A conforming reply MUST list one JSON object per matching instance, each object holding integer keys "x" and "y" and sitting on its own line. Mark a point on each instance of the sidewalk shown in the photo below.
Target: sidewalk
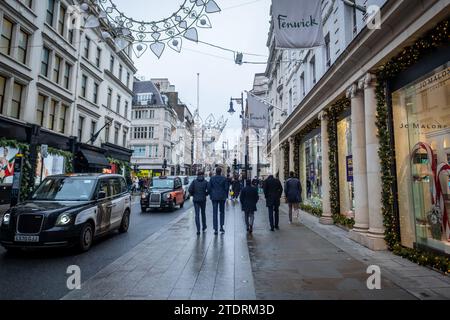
{"x": 307, "y": 261}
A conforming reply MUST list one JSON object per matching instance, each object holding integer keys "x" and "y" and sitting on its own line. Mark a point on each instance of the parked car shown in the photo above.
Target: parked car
{"x": 68, "y": 210}
{"x": 163, "y": 193}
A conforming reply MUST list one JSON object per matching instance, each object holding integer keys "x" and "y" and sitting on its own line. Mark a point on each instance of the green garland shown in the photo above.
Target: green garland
{"x": 286, "y": 153}
{"x": 436, "y": 38}
{"x": 315, "y": 211}
{"x": 27, "y": 178}
{"x": 333, "y": 115}
{"x": 123, "y": 165}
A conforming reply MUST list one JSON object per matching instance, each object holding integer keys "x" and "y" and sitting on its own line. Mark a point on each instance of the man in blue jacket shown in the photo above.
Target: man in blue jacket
{"x": 218, "y": 187}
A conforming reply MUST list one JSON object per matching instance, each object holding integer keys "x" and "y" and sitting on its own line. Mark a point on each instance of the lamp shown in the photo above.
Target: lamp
{"x": 231, "y": 111}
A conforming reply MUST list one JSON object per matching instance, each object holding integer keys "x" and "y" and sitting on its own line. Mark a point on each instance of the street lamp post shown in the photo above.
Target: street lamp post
{"x": 244, "y": 118}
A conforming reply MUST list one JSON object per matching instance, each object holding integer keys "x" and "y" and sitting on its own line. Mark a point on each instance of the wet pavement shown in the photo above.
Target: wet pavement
{"x": 300, "y": 261}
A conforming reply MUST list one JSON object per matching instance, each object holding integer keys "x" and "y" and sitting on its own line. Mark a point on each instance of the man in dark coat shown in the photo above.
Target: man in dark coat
{"x": 273, "y": 190}
{"x": 236, "y": 188}
{"x": 293, "y": 191}
{"x": 218, "y": 190}
{"x": 249, "y": 199}
{"x": 199, "y": 191}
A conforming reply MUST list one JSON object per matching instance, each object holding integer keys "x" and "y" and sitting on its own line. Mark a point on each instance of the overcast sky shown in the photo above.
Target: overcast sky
{"x": 242, "y": 25}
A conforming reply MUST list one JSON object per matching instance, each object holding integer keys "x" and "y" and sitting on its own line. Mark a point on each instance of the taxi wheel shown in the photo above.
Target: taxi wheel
{"x": 182, "y": 205}
{"x": 86, "y": 237}
{"x": 125, "y": 222}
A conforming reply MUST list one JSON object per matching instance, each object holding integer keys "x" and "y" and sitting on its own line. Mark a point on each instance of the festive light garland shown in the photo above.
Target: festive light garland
{"x": 286, "y": 153}
{"x": 154, "y": 35}
{"x": 436, "y": 38}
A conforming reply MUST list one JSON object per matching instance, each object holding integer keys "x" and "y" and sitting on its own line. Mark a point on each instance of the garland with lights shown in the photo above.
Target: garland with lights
{"x": 124, "y": 167}
{"x": 333, "y": 115}
{"x": 436, "y": 38}
{"x": 124, "y": 31}
{"x": 286, "y": 154}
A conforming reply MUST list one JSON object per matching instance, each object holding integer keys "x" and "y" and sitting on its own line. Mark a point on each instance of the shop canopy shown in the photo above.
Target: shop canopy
{"x": 95, "y": 159}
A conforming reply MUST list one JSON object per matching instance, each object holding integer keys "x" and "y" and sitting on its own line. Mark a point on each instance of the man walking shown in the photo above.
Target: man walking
{"x": 199, "y": 191}
{"x": 293, "y": 192}
{"x": 235, "y": 188}
{"x": 273, "y": 190}
{"x": 249, "y": 199}
{"x": 218, "y": 190}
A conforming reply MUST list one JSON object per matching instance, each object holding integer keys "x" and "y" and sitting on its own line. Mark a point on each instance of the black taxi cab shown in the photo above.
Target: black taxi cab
{"x": 163, "y": 193}
{"x": 68, "y": 211}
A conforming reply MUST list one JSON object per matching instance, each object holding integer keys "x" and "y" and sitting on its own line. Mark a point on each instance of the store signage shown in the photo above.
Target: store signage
{"x": 297, "y": 29}
{"x": 349, "y": 161}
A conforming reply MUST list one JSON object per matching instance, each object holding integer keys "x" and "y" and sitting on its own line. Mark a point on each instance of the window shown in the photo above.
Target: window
{"x": 57, "y": 69}
{"x": 111, "y": 64}
{"x": 52, "y": 115}
{"x": 16, "y": 100}
{"x": 45, "y": 62}
{"x": 312, "y": 64}
{"x": 116, "y": 136}
{"x": 40, "y": 110}
{"x": 93, "y": 130}
{"x": 153, "y": 151}
{"x": 28, "y": 3}
{"x": 125, "y": 114}
{"x": 327, "y": 50}
{"x": 109, "y": 100}
{"x": 128, "y": 79}
{"x": 139, "y": 151}
{"x": 6, "y": 37}
{"x": 107, "y": 128}
{"x": 290, "y": 101}
{"x": 95, "y": 93}
{"x": 22, "y": 47}
{"x": 152, "y": 114}
{"x": 119, "y": 100}
{"x": 80, "y": 128}
{"x": 98, "y": 57}
{"x": 50, "y": 12}
{"x": 62, "y": 118}
{"x": 62, "y": 20}
{"x": 87, "y": 46}
{"x": 124, "y": 138}
{"x": 84, "y": 81}
{"x": 140, "y": 133}
{"x": 67, "y": 74}
{"x": 302, "y": 84}
{"x": 120, "y": 72}
{"x": 2, "y": 92}
{"x": 166, "y": 134}
{"x": 166, "y": 117}
{"x": 151, "y": 132}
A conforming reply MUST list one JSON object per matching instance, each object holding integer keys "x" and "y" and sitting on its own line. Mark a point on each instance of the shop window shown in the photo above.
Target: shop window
{"x": 345, "y": 167}
{"x": 422, "y": 144}
{"x": 312, "y": 169}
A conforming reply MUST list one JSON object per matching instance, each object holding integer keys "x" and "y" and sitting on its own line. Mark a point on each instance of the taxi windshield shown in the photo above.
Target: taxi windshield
{"x": 65, "y": 189}
{"x": 162, "y": 183}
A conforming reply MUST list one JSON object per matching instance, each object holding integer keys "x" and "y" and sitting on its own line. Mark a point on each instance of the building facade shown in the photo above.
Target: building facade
{"x": 60, "y": 85}
{"x": 154, "y": 124}
{"x": 367, "y": 130}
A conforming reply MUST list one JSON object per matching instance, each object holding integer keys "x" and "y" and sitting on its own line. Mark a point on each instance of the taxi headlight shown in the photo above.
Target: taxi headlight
{"x": 63, "y": 220}
{"x": 6, "y": 219}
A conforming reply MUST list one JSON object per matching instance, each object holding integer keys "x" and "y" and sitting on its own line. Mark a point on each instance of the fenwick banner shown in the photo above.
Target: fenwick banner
{"x": 297, "y": 23}
{"x": 258, "y": 113}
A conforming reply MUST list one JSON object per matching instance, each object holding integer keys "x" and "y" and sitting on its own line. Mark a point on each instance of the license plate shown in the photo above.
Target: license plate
{"x": 21, "y": 238}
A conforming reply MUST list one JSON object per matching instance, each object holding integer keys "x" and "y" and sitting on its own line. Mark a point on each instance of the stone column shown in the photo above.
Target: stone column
{"x": 359, "y": 165}
{"x": 376, "y": 227}
{"x": 327, "y": 217}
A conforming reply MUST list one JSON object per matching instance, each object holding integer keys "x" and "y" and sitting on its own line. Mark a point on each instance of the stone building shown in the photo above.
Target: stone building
{"x": 367, "y": 129}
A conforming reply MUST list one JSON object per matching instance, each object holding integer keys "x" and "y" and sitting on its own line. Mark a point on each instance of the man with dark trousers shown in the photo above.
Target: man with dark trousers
{"x": 273, "y": 190}
{"x": 199, "y": 191}
{"x": 218, "y": 190}
{"x": 249, "y": 199}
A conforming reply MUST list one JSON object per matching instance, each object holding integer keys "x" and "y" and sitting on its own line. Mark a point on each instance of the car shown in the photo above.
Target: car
{"x": 164, "y": 193}
{"x": 68, "y": 211}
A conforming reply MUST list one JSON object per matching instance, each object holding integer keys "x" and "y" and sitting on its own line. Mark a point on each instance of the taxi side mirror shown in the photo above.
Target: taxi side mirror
{"x": 101, "y": 195}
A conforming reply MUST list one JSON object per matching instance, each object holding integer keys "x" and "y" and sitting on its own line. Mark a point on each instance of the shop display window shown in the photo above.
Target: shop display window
{"x": 313, "y": 168}
{"x": 422, "y": 133}
{"x": 345, "y": 167}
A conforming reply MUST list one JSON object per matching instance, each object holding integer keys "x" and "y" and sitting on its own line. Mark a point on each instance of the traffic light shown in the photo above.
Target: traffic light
{"x": 165, "y": 164}
{"x": 235, "y": 164}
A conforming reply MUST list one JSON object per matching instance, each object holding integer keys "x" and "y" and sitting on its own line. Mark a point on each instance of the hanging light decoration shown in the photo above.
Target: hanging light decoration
{"x": 153, "y": 35}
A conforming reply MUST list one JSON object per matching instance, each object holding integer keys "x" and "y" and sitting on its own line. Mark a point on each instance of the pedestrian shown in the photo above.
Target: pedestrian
{"x": 273, "y": 190}
{"x": 218, "y": 191}
{"x": 141, "y": 185}
{"x": 293, "y": 192}
{"x": 199, "y": 191}
{"x": 249, "y": 198}
{"x": 236, "y": 188}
